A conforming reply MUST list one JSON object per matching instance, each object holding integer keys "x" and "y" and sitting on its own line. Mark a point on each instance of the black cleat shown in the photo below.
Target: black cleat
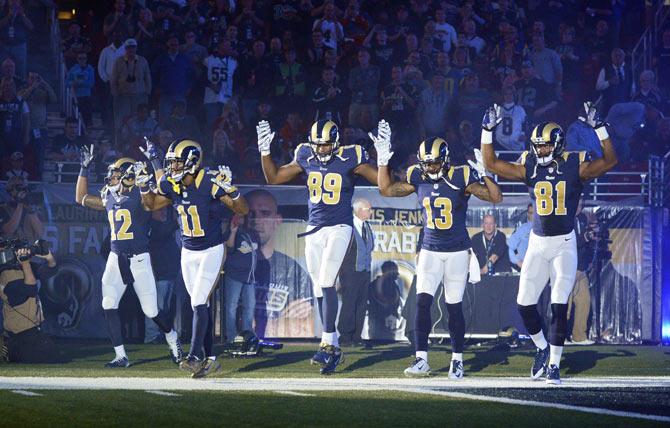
{"x": 208, "y": 367}
{"x": 118, "y": 363}
{"x": 540, "y": 364}
{"x": 191, "y": 364}
{"x": 321, "y": 355}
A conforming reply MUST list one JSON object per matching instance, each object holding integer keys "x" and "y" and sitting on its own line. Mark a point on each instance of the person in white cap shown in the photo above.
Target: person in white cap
{"x": 130, "y": 83}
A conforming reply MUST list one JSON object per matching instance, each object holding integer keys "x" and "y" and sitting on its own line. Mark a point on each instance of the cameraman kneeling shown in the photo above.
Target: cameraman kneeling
{"x": 21, "y": 309}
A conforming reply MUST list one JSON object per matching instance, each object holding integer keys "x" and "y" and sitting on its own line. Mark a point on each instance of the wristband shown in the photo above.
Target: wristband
{"x": 602, "y": 133}
{"x": 83, "y": 171}
{"x": 487, "y": 136}
{"x": 265, "y": 152}
{"x": 234, "y": 195}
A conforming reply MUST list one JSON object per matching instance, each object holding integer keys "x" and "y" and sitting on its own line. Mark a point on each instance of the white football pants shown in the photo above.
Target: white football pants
{"x": 144, "y": 284}
{"x": 324, "y": 252}
{"x": 449, "y": 268}
{"x": 200, "y": 270}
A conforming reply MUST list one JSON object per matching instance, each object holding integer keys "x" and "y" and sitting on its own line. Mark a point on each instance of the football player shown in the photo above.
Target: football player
{"x": 196, "y": 193}
{"x": 129, "y": 261}
{"x": 443, "y": 191}
{"x": 331, "y": 172}
{"x": 555, "y": 180}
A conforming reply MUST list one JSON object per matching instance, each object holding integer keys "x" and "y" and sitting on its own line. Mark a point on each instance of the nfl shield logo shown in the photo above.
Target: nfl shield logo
{"x": 435, "y": 186}
{"x": 551, "y": 170}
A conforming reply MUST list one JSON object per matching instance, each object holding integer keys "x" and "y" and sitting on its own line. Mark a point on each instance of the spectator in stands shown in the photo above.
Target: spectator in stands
{"x": 181, "y": 124}
{"x": 8, "y": 72}
{"x": 600, "y": 43}
{"x": 224, "y": 152}
{"x": 537, "y": 97}
{"x": 452, "y": 77}
{"x": 328, "y": 99}
{"x": 316, "y": 50}
{"x": 648, "y": 94}
{"x": 130, "y": 83}
{"x": 106, "y": 61}
{"x": 510, "y": 134}
{"x": 354, "y": 24}
{"x": 67, "y": 146}
{"x": 445, "y": 32}
{"x": 382, "y": 52}
{"x": 433, "y": 108}
{"x": 117, "y": 21}
{"x": 490, "y": 247}
{"x": 403, "y": 26}
{"x": 291, "y": 133}
{"x": 363, "y": 85}
{"x": 571, "y": 59}
{"x": 16, "y": 167}
{"x": 221, "y": 69}
{"x": 547, "y": 62}
{"x": 661, "y": 61}
{"x": 243, "y": 246}
{"x": 333, "y": 32}
{"x": 74, "y": 43}
{"x": 506, "y": 64}
{"x": 290, "y": 84}
{"x": 471, "y": 39}
{"x": 194, "y": 50}
{"x": 139, "y": 126}
{"x": 256, "y": 73}
{"x": 145, "y": 34}
{"x": 15, "y": 120}
{"x": 385, "y": 302}
{"x": 518, "y": 240}
{"x": 15, "y": 27}
{"x": 18, "y": 218}
{"x": 248, "y": 23}
{"x": 81, "y": 78}
{"x": 38, "y": 94}
{"x": 399, "y": 106}
{"x": 615, "y": 81}
{"x": 173, "y": 78}
{"x": 472, "y": 100}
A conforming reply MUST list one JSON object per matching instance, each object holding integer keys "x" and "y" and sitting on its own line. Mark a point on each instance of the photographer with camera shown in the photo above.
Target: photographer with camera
{"x": 21, "y": 309}
{"x": 18, "y": 218}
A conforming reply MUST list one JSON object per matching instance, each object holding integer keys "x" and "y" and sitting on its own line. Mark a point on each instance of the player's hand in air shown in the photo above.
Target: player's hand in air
{"x": 265, "y": 136}
{"x": 382, "y": 143}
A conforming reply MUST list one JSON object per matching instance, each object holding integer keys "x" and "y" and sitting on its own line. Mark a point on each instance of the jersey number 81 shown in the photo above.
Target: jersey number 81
{"x": 544, "y": 198}
{"x": 324, "y": 188}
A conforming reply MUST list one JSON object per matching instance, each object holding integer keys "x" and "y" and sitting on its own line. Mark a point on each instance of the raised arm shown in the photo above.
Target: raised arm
{"x": 508, "y": 170}
{"x": 387, "y": 187}
{"x": 272, "y": 173}
{"x": 489, "y": 191}
{"x": 367, "y": 171}
{"x": 82, "y": 196}
{"x": 232, "y": 197}
{"x": 596, "y": 168}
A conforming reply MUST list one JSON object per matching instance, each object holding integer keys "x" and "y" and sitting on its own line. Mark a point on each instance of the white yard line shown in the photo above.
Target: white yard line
{"x": 596, "y": 410}
{"x": 163, "y": 393}
{"x": 26, "y": 393}
{"x": 297, "y": 394}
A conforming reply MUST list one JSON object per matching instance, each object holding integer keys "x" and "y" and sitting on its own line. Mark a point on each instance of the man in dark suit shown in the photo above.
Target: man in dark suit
{"x": 490, "y": 247}
{"x": 355, "y": 276}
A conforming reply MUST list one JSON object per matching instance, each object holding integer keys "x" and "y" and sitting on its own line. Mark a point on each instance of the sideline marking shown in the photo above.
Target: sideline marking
{"x": 163, "y": 393}
{"x": 297, "y": 394}
{"x": 596, "y": 410}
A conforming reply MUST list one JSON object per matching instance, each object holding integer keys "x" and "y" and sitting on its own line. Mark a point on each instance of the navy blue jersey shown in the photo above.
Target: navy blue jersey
{"x": 445, "y": 204}
{"x": 331, "y": 186}
{"x": 198, "y": 208}
{"x": 555, "y": 190}
{"x": 128, "y": 221}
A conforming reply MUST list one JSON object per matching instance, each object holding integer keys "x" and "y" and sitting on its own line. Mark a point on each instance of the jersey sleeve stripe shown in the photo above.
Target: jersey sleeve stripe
{"x": 359, "y": 153}
{"x": 198, "y": 178}
{"x": 466, "y": 175}
{"x": 582, "y": 157}
{"x": 522, "y": 160}
{"x": 410, "y": 171}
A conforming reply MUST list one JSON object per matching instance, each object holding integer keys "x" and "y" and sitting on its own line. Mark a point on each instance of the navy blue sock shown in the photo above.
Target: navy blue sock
{"x": 422, "y": 321}
{"x": 209, "y": 337}
{"x": 319, "y": 302}
{"x": 163, "y": 322}
{"x": 329, "y": 310}
{"x": 531, "y": 318}
{"x": 559, "y": 324}
{"x": 456, "y": 326}
{"x": 200, "y": 320}
{"x": 114, "y": 326}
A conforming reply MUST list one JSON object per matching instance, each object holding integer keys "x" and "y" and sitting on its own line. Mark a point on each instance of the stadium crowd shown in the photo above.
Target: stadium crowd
{"x": 210, "y": 70}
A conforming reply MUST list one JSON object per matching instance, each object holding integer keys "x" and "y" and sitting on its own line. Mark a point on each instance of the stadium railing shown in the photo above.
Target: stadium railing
{"x": 641, "y": 56}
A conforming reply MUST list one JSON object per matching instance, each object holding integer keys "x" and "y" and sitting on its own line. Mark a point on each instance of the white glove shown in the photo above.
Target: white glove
{"x": 592, "y": 118}
{"x": 265, "y": 136}
{"x": 382, "y": 143}
{"x": 87, "y": 154}
{"x": 224, "y": 179}
{"x": 478, "y": 165}
{"x": 142, "y": 177}
{"x": 492, "y": 118}
{"x": 151, "y": 151}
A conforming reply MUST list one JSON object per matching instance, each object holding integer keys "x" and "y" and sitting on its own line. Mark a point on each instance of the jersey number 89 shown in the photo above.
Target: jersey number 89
{"x": 445, "y": 219}
{"x": 324, "y": 188}
{"x": 544, "y": 198}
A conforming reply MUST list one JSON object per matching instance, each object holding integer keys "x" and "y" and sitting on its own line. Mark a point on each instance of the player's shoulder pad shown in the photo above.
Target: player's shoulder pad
{"x": 413, "y": 174}
{"x": 462, "y": 172}
{"x": 302, "y": 152}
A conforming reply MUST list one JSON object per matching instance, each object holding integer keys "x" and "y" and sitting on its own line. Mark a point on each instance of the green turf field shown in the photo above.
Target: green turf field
{"x": 325, "y": 409}
{"x": 87, "y": 360}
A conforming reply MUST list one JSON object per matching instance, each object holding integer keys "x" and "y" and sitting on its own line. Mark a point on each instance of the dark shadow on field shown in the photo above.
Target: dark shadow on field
{"x": 496, "y": 356}
{"x": 83, "y": 350}
{"x": 277, "y": 360}
{"x": 396, "y": 353}
{"x": 577, "y": 362}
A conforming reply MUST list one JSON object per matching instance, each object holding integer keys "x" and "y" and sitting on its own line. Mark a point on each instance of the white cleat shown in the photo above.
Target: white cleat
{"x": 456, "y": 369}
{"x": 418, "y": 368}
